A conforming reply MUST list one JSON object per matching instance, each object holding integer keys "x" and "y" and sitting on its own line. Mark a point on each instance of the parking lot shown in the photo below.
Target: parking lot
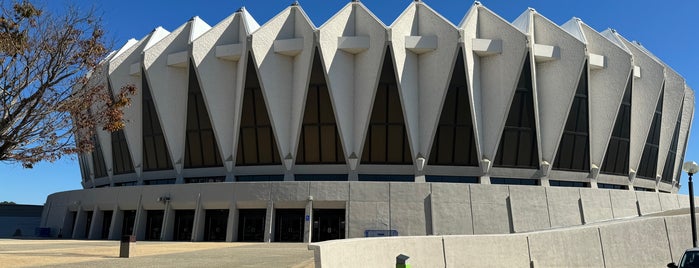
{"x": 86, "y": 253}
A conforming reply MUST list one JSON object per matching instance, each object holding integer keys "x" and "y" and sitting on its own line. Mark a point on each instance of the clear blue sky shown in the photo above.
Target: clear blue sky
{"x": 669, "y": 30}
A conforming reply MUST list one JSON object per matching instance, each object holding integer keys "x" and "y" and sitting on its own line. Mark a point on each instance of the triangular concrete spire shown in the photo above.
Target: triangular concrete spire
{"x": 573, "y": 28}
{"x": 155, "y": 36}
{"x": 282, "y": 50}
{"x": 493, "y": 77}
{"x": 125, "y": 47}
{"x": 250, "y": 23}
{"x": 197, "y": 28}
{"x": 220, "y": 57}
{"x": 353, "y": 42}
{"x": 421, "y": 37}
{"x": 523, "y": 22}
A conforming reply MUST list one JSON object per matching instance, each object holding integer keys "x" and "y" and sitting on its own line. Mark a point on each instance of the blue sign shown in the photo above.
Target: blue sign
{"x": 308, "y": 218}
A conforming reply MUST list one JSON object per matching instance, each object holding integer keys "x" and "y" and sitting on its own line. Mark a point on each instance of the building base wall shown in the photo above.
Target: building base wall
{"x": 371, "y": 208}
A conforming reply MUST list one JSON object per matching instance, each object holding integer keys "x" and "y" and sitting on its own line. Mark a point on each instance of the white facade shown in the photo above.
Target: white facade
{"x": 565, "y": 76}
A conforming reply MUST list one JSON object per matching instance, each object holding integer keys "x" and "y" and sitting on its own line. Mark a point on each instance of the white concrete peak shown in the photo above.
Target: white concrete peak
{"x": 597, "y": 62}
{"x": 178, "y": 59}
{"x": 198, "y": 28}
{"x": 421, "y": 44}
{"x": 229, "y": 52}
{"x": 126, "y": 47}
{"x": 544, "y": 53}
{"x": 289, "y": 47}
{"x": 636, "y": 71}
{"x": 158, "y": 34}
{"x": 487, "y": 47}
{"x": 135, "y": 69}
{"x": 353, "y": 44}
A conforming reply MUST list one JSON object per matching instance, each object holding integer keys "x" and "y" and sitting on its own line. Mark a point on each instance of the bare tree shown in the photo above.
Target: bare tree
{"x": 51, "y": 95}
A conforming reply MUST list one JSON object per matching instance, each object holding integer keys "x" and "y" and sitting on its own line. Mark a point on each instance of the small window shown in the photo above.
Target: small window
{"x": 320, "y": 177}
{"x": 512, "y": 181}
{"x": 159, "y": 182}
{"x": 568, "y": 183}
{"x": 205, "y": 179}
{"x": 451, "y": 179}
{"x": 246, "y": 178}
{"x": 611, "y": 186}
{"x": 643, "y": 189}
{"x": 388, "y": 178}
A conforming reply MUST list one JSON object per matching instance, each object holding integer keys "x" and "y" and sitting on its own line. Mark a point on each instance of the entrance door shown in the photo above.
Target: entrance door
{"x": 128, "y": 222}
{"x": 184, "y": 221}
{"x": 106, "y": 223}
{"x": 289, "y": 225}
{"x": 154, "y": 223}
{"x": 328, "y": 224}
{"x": 216, "y": 221}
{"x": 251, "y": 225}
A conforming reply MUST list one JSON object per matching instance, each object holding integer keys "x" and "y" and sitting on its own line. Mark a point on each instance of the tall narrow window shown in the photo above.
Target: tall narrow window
{"x": 574, "y": 149}
{"x": 201, "y": 149}
{"x": 386, "y": 141}
{"x": 518, "y": 145}
{"x": 616, "y": 160}
{"x": 649, "y": 160}
{"x": 256, "y": 144}
{"x": 454, "y": 142}
{"x": 98, "y": 164}
{"x": 121, "y": 158}
{"x": 155, "y": 152}
{"x": 320, "y": 141}
{"x": 669, "y": 168}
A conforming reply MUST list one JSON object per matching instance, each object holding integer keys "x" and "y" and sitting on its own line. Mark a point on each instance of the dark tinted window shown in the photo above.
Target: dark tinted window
{"x": 403, "y": 178}
{"x": 453, "y": 179}
{"x": 616, "y": 160}
{"x": 320, "y": 177}
{"x": 159, "y": 182}
{"x": 260, "y": 178}
{"x": 256, "y": 143}
{"x": 98, "y": 165}
{"x": 121, "y": 158}
{"x": 649, "y": 160}
{"x": 567, "y": 183}
{"x": 319, "y": 142}
{"x": 201, "y": 148}
{"x": 611, "y": 186}
{"x": 454, "y": 142}
{"x": 574, "y": 150}
{"x": 669, "y": 168}
{"x": 205, "y": 179}
{"x": 518, "y": 145}
{"x": 386, "y": 141}
{"x": 511, "y": 181}
{"x": 155, "y": 153}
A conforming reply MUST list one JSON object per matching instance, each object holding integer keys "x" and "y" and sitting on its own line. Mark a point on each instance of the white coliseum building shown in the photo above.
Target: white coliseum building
{"x": 292, "y": 132}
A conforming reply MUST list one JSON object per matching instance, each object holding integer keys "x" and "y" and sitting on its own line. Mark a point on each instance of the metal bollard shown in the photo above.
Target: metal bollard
{"x": 125, "y": 246}
{"x": 401, "y": 261}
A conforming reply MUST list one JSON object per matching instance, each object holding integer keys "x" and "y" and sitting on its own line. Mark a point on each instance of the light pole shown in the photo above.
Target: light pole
{"x": 691, "y": 167}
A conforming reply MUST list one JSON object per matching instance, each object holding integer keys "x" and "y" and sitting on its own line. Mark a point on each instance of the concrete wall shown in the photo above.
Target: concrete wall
{"x": 639, "y": 242}
{"x": 406, "y": 207}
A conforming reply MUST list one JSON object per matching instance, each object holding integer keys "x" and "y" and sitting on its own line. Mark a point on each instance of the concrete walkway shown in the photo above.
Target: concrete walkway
{"x": 83, "y": 253}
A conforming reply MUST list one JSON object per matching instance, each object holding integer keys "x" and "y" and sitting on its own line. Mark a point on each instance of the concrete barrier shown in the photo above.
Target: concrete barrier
{"x": 648, "y": 202}
{"x": 679, "y": 234}
{"x": 410, "y": 208}
{"x": 668, "y": 201}
{"x": 596, "y": 205}
{"x": 638, "y": 243}
{"x": 572, "y": 248}
{"x": 485, "y": 251}
{"x": 451, "y": 209}
{"x": 623, "y": 204}
{"x": 490, "y": 209}
{"x": 529, "y": 209}
{"x": 425, "y": 251}
{"x": 564, "y": 206}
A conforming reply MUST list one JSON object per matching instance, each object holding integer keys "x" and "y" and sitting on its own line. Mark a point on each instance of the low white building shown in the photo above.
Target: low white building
{"x": 292, "y": 132}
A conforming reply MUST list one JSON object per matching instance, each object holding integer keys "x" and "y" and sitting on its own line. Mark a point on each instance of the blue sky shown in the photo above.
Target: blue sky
{"x": 666, "y": 29}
